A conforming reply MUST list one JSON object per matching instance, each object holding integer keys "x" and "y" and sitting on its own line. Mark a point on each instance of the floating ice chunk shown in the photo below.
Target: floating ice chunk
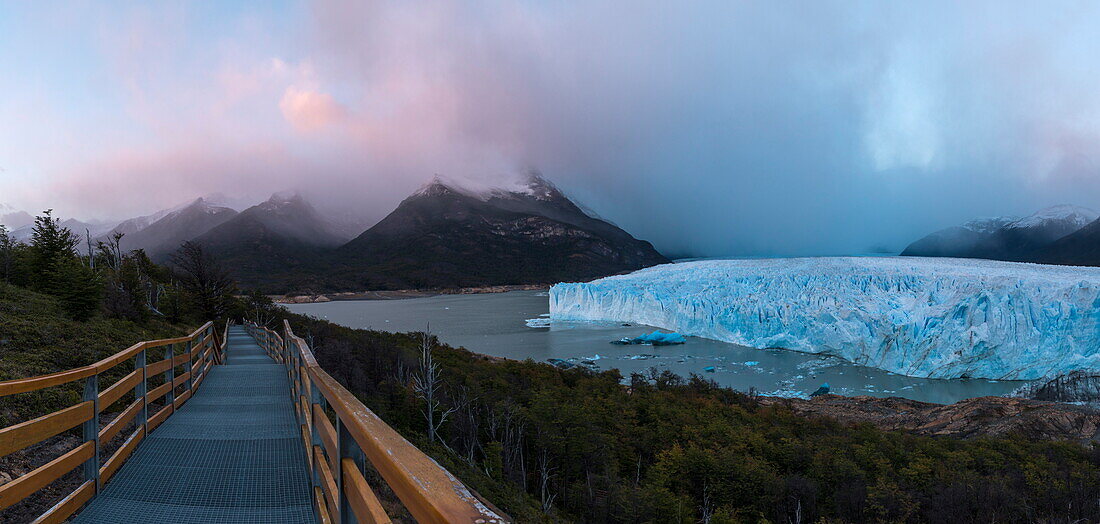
{"x": 538, "y": 322}
{"x": 786, "y": 393}
{"x": 559, "y": 363}
{"x": 655, "y": 338}
{"x": 923, "y": 317}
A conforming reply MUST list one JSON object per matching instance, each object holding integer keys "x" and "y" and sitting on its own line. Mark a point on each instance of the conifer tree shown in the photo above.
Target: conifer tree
{"x": 51, "y": 245}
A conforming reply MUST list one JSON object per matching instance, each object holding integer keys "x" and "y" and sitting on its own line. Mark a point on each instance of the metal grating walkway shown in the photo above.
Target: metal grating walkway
{"x": 232, "y": 453}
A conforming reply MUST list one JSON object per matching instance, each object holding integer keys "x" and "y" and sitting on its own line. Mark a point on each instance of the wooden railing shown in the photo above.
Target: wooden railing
{"x": 193, "y": 355}
{"x": 337, "y": 450}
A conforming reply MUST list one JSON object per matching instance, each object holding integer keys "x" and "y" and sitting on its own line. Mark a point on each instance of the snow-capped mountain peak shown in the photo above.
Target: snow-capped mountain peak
{"x": 282, "y": 199}
{"x": 12, "y": 218}
{"x": 1075, "y": 215}
{"x": 530, "y": 184}
{"x": 989, "y": 224}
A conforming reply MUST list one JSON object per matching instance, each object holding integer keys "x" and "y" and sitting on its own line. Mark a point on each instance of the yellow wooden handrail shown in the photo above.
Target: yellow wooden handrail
{"x": 202, "y": 349}
{"x": 336, "y": 453}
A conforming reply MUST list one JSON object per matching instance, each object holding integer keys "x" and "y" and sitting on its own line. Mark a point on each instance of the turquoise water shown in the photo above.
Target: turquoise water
{"x": 497, "y": 324}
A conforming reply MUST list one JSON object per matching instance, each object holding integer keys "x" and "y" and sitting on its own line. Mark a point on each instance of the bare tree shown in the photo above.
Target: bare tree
{"x": 505, "y": 425}
{"x": 156, "y": 289}
{"x": 112, "y": 250}
{"x": 91, "y": 254}
{"x": 401, "y": 373}
{"x": 707, "y": 507}
{"x": 263, "y": 317}
{"x": 797, "y": 519}
{"x": 546, "y": 472}
{"x": 427, "y": 384}
{"x": 204, "y": 279}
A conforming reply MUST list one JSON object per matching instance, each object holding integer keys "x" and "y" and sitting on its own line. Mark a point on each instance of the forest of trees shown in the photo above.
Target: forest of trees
{"x": 98, "y": 277}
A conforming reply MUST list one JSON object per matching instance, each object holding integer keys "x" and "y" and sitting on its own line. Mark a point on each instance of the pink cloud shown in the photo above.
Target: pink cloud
{"x": 309, "y": 110}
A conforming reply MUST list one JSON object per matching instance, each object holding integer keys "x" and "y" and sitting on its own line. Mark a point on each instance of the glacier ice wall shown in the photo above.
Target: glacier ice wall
{"x": 923, "y": 317}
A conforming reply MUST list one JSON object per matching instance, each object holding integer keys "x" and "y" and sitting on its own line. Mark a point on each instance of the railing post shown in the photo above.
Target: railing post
{"x": 213, "y": 348}
{"x": 91, "y": 430}
{"x": 349, "y": 448}
{"x": 142, "y": 391}
{"x": 191, "y": 372}
{"x": 314, "y": 434}
{"x": 169, "y": 376}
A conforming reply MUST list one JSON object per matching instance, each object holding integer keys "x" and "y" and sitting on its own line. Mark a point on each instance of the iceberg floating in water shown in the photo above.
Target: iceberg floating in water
{"x": 540, "y": 322}
{"x": 923, "y": 317}
{"x": 655, "y": 338}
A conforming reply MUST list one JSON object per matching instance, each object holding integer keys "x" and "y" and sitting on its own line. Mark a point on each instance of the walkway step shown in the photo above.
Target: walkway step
{"x": 232, "y": 453}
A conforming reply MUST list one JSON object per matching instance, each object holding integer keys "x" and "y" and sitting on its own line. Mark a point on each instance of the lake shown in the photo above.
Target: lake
{"x": 500, "y": 324}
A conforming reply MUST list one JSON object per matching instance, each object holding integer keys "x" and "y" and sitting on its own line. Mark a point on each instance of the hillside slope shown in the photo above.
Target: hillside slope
{"x": 1081, "y": 248}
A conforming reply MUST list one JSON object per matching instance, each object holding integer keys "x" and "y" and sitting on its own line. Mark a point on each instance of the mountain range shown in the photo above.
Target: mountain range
{"x": 1063, "y": 234}
{"x": 445, "y": 235}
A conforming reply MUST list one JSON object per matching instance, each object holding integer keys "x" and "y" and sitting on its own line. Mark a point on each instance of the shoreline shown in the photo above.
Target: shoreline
{"x": 402, "y": 294}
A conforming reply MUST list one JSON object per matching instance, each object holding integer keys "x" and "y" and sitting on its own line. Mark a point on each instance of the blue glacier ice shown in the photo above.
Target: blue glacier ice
{"x": 655, "y": 338}
{"x": 922, "y": 317}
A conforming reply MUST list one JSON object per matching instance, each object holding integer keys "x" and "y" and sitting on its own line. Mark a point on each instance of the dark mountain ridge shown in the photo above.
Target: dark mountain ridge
{"x": 164, "y": 235}
{"x": 1080, "y": 248}
{"x": 1028, "y": 239}
{"x": 445, "y": 235}
{"x": 281, "y": 243}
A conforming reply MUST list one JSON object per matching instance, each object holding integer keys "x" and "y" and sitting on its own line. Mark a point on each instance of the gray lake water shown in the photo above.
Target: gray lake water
{"x": 497, "y": 324}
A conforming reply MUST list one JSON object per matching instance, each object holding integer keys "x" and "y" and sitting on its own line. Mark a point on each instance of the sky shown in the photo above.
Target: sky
{"x": 709, "y": 128}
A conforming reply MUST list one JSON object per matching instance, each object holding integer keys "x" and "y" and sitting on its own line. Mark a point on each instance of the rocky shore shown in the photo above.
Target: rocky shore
{"x": 971, "y": 418}
{"x": 399, "y": 294}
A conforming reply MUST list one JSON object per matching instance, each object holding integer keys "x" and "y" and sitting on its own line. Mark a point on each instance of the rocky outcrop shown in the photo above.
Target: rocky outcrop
{"x": 1076, "y": 386}
{"x": 971, "y": 418}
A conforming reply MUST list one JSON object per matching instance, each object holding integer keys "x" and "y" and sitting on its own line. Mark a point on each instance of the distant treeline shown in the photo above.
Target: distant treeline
{"x": 99, "y": 277}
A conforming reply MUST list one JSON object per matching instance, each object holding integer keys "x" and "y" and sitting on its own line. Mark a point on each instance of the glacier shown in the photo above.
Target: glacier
{"x": 922, "y": 317}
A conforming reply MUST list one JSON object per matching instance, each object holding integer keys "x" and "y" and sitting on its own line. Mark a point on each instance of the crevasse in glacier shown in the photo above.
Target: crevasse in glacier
{"x": 923, "y": 317}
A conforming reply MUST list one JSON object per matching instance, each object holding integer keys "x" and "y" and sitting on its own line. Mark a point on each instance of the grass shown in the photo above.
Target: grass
{"x": 37, "y": 338}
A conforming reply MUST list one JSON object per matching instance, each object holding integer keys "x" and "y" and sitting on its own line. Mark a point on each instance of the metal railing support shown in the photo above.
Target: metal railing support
{"x": 191, "y": 374}
{"x": 314, "y": 441}
{"x": 314, "y": 434}
{"x": 348, "y": 449}
{"x": 141, "y": 391}
{"x": 169, "y": 376}
{"x": 91, "y": 430}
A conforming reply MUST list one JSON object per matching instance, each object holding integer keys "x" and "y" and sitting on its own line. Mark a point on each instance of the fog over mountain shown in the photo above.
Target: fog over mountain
{"x": 709, "y": 128}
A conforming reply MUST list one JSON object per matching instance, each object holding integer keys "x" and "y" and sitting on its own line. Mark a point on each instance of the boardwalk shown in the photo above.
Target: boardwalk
{"x": 232, "y": 453}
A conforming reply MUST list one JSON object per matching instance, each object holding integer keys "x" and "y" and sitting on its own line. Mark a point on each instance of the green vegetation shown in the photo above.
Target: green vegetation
{"x": 37, "y": 337}
{"x": 584, "y": 447}
{"x": 60, "y": 309}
